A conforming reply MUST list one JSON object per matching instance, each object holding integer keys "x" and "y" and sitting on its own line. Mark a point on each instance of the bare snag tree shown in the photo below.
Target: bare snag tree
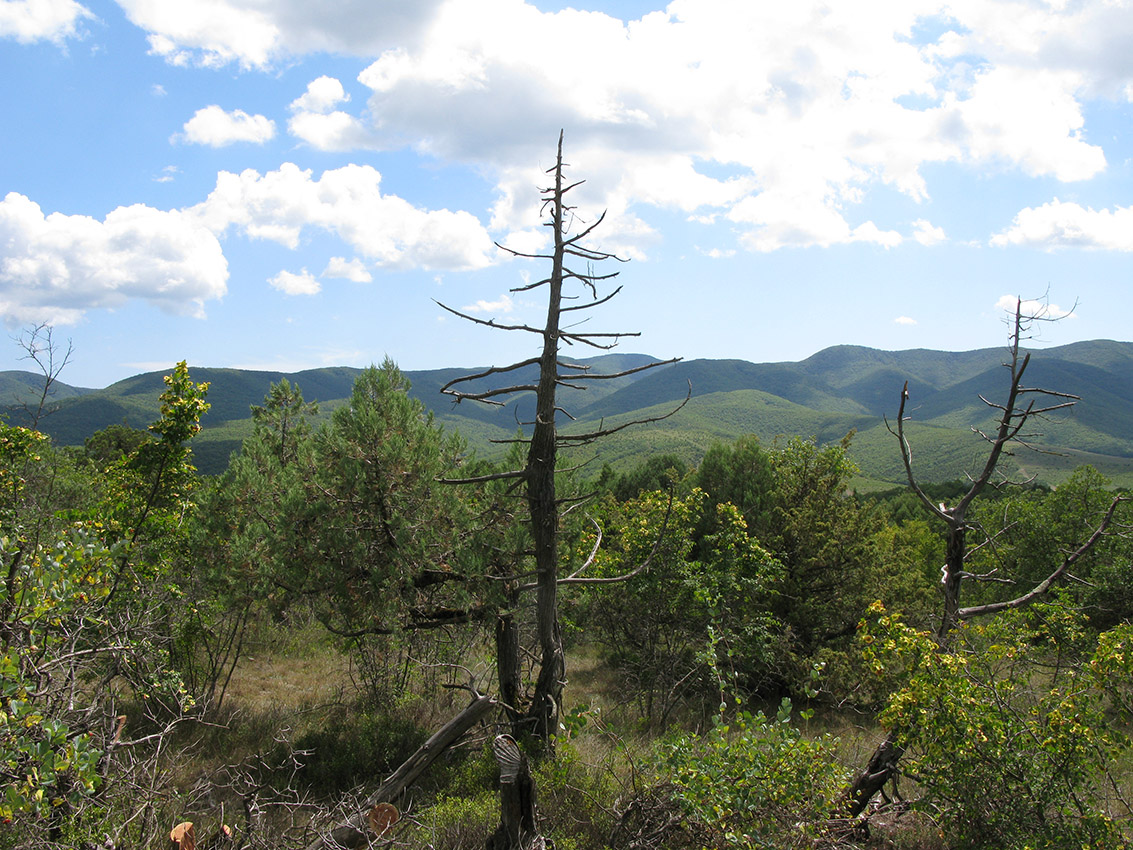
{"x": 1014, "y": 418}
{"x": 40, "y": 347}
{"x": 580, "y": 291}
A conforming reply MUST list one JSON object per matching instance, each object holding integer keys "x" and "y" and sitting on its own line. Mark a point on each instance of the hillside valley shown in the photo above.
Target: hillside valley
{"x": 835, "y": 391}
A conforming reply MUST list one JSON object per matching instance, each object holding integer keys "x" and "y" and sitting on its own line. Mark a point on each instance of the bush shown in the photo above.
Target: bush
{"x": 1008, "y": 741}
{"x": 754, "y": 782}
{"x": 362, "y": 747}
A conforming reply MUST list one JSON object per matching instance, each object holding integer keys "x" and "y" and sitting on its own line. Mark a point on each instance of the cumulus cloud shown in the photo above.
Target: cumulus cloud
{"x": 28, "y": 21}
{"x": 1029, "y": 307}
{"x": 212, "y": 33}
{"x": 777, "y": 117}
{"x": 905, "y": 320}
{"x": 1057, "y": 225}
{"x": 322, "y": 95}
{"x": 502, "y": 305}
{"x": 331, "y": 131}
{"x": 347, "y": 202}
{"x": 926, "y": 233}
{"x": 290, "y": 283}
{"x": 207, "y": 32}
{"x": 354, "y": 270}
{"x": 216, "y": 128}
{"x": 56, "y": 267}
{"x": 316, "y": 121}
{"x": 1027, "y": 118}
{"x": 780, "y": 117}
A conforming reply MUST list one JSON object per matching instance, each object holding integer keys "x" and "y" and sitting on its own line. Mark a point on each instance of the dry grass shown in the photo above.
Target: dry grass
{"x": 303, "y": 671}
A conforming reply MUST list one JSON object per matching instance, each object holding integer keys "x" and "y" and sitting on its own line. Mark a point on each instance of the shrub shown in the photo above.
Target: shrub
{"x": 1008, "y": 742}
{"x": 754, "y": 782}
{"x": 363, "y": 747}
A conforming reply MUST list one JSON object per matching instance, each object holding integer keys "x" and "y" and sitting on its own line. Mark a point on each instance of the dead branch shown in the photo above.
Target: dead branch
{"x": 353, "y": 832}
{"x": 1045, "y": 585}
{"x": 582, "y": 439}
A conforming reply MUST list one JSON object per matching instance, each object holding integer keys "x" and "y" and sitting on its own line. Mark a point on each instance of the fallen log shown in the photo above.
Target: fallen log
{"x": 354, "y": 832}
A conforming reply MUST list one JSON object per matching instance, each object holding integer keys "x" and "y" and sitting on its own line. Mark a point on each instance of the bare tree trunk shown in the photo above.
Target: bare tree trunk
{"x": 881, "y": 768}
{"x": 1021, "y": 405}
{"x": 538, "y": 474}
{"x": 507, "y": 664}
{"x": 955, "y": 553}
{"x": 541, "y": 459}
{"x": 519, "y": 827}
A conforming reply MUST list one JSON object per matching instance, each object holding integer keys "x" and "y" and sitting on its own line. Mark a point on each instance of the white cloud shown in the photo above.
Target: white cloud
{"x": 333, "y": 131}
{"x": 1030, "y": 119}
{"x": 216, "y": 128}
{"x": 532, "y": 241}
{"x": 348, "y": 202}
{"x": 207, "y": 32}
{"x": 779, "y": 221}
{"x": 354, "y": 270}
{"x": 502, "y": 305}
{"x": 905, "y": 320}
{"x": 256, "y": 34}
{"x": 290, "y": 283}
{"x": 322, "y": 95}
{"x": 717, "y": 253}
{"x": 1057, "y": 225}
{"x": 56, "y": 267}
{"x": 1029, "y": 307}
{"x": 926, "y": 233}
{"x": 168, "y": 174}
{"x": 778, "y": 117}
{"x": 316, "y": 121}
{"x": 29, "y": 21}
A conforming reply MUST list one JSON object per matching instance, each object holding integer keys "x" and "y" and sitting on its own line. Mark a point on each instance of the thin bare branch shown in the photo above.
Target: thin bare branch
{"x": 1043, "y": 587}
{"x": 595, "y": 376}
{"x": 481, "y": 479}
{"x": 575, "y": 579}
{"x": 582, "y": 439}
{"x": 491, "y": 323}
{"x": 494, "y": 370}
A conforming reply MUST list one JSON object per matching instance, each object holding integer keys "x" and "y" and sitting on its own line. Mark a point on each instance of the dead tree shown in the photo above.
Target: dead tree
{"x": 519, "y": 828}
{"x": 1022, "y": 406}
{"x": 40, "y": 347}
{"x": 538, "y": 473}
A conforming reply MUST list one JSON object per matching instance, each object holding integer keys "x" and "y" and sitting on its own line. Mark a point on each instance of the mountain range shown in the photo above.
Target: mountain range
{"x": 836, "y": 391}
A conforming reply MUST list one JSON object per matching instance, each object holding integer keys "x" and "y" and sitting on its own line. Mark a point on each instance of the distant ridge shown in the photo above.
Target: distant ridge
{"x": 836, "y": 390}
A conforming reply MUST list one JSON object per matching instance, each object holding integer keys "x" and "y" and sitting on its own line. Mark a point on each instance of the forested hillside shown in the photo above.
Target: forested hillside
{"x": 827, "y": 395}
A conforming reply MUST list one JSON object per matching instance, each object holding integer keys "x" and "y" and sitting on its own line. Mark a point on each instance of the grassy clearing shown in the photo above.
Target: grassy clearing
{"x": 297, "y": 692}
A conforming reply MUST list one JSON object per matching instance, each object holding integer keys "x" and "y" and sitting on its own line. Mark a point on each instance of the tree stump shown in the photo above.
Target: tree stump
{"x": 518, "y": 829}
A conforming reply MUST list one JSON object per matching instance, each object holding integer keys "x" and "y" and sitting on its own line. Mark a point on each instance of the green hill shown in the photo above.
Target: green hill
{"x": 837, "y": 390}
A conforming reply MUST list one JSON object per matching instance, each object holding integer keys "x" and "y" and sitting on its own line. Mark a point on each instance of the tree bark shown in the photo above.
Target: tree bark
{"x": 519, "y": 828}
{"x": 883, "y": 766}
{"x": 541, "y": 459}
{"x": 507, "y": 665}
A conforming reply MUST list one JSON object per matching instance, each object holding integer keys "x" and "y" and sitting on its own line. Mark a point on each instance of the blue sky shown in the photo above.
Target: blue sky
{"x": 280, "y": 184}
